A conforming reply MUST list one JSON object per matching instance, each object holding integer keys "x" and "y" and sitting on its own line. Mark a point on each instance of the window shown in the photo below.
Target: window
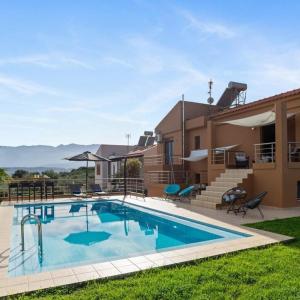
{"x": 168, "y": 152}
{"x": 298, "y": 190}
{"x": 197, "y": 178}
{"x": 197, "y": 142}
{"x": 98, "y": 169}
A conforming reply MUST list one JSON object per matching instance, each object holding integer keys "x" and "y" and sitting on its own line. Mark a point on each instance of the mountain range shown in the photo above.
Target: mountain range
{"x": 42, "y": 156}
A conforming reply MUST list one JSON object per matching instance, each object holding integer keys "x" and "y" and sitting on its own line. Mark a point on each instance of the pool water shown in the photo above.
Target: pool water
{"x": 89, "y": 232}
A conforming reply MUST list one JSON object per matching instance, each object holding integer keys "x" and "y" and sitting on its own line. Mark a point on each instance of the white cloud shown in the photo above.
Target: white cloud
{"x": 50, "y": 60}
{"x": 205, "y": 27}
{"x": 117, "y": 61}
{"x": 24, "y": 87}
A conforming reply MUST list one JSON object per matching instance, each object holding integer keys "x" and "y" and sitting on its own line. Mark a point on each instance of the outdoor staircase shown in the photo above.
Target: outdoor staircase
{"x": 212, "y": 196}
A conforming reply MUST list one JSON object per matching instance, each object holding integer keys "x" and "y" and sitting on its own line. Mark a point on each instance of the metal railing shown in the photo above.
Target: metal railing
{"x": 227, "y": 157}
{"x": 40, "y": 236}
{"x": 166, "y": 177}
{"x": 294, "y": 151}
{"x": 162, "y": 160}
{"x": 218, "y": 156}
{"x": 61, "y": 187}
{"x": 265, "y": 152}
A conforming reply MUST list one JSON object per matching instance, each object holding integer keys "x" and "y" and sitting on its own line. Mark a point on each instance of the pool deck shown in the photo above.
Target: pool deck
{"x": 123, "y": 267}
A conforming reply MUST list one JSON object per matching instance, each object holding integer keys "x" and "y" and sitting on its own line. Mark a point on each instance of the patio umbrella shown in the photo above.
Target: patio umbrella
{"x": 87, "y": 156}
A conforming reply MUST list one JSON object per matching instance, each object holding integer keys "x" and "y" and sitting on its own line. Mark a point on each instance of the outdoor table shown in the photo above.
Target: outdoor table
{"x": 235, "y": 199}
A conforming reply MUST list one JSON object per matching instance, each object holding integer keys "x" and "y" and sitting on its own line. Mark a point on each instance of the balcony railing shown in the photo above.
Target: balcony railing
{"x": 155, "y": 160}
{"x": 264, "y": 153}
{"x": 166, "y": 177}
{"x": 61, "y": 187}
{"x": 218, "y": 156}
{"x": 225, "y": 157}
{"x": 294, "y": 151}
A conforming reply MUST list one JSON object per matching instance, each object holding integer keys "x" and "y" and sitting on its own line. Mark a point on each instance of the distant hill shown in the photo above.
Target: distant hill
{"x": 42, "y": 157}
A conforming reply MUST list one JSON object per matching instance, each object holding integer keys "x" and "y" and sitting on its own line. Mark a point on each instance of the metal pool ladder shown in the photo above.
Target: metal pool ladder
{"x": 40, "y": 237}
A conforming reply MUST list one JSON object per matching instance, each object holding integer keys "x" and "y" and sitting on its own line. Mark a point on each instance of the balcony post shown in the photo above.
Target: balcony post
{"x": 281, "y": 148}
{"x": 210, "y": 147}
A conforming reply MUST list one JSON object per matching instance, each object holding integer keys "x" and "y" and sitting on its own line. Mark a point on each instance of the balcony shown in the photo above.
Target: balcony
{"x": 159, "y": 160}
{"x": 265, "y": 152}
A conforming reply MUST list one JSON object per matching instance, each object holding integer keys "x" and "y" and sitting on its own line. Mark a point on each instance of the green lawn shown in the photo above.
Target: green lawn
{"x": 268, "y": 273}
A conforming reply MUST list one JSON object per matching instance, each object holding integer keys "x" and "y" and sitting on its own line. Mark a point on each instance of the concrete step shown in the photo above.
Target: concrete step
{"x": 224, "y": 184}
{"x": 203, "y": 203}
{"x": 229, "y": 179}
{"x": 211, "y": 199}
{"x": 217, "y": 188}
{"x": 212, "y": 196}
{"x": 239, "y": 171}
{"x": 236, "y": 176}
{"x": 212, "y": 193}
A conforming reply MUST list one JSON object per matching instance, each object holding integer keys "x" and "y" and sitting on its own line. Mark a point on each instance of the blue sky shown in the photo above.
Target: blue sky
{"x": 92, "y": 71}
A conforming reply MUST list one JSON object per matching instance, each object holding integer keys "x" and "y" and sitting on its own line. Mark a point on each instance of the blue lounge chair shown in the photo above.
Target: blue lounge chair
{"x": 96, "y": 190}
{"x": 76, "y": 191}
{"x": 171, "y": 190}
{"x": 186, "y": 193}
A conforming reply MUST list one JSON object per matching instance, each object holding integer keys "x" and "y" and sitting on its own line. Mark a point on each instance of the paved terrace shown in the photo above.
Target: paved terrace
{"x": 123, "y": 267}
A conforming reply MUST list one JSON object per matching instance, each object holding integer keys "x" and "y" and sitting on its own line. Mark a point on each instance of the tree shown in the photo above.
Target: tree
{"x": 3, "y": 175}
{"x": 20, "y": 174}
{"x": 51, "y": 174}
{"x": 133, "y": 168}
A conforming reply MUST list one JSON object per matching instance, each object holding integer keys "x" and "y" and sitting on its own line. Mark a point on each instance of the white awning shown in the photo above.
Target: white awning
{"x": 197, "y": 155}
{"x": 262, "y": 119}
{"x": 225, "y": 148}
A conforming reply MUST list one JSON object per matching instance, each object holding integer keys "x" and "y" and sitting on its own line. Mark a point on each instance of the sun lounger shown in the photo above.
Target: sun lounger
{"x": 171, "y": 190}
{"x": 96, "y": 190}
{"x": 76, "y": 191}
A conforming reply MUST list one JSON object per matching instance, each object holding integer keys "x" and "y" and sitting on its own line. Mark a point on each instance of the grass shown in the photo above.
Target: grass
{"x": 266, "y": 273}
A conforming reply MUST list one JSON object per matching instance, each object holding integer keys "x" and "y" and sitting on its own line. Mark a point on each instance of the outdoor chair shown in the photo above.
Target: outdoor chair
{"x": 186, "y": 193}
{"x": 171, "y": 190}
{"x": 76, "y": 191}
{"x": 241, "y": 160}
{"x": 253, "y": 203}
{"x": 295, "y": 154}
{"x": 232, "y": 197}
{"x": 96, "y": 190}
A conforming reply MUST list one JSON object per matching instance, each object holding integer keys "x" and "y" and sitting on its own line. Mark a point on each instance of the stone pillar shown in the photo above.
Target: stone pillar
{"x": 281, "y": 150}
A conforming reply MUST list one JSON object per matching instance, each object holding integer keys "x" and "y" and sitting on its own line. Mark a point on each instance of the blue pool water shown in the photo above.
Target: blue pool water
{"x": 90, "y": 232}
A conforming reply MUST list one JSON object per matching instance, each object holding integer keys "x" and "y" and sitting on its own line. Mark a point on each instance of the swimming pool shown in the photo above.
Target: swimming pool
{"x": 77, "y": 233}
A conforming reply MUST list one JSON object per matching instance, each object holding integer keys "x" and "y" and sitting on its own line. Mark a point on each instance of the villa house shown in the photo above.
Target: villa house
{"x": 200, "y": 143}
{"x": 105, "y": 170}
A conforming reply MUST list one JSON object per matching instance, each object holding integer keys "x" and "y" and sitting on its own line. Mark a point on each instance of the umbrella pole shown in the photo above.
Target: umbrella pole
{"x": 125, "y": 178}
{"x": 86, "y": 177}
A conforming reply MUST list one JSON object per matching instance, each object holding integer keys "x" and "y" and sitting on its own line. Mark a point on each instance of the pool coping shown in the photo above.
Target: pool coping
{"x": 124, "y": 267}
